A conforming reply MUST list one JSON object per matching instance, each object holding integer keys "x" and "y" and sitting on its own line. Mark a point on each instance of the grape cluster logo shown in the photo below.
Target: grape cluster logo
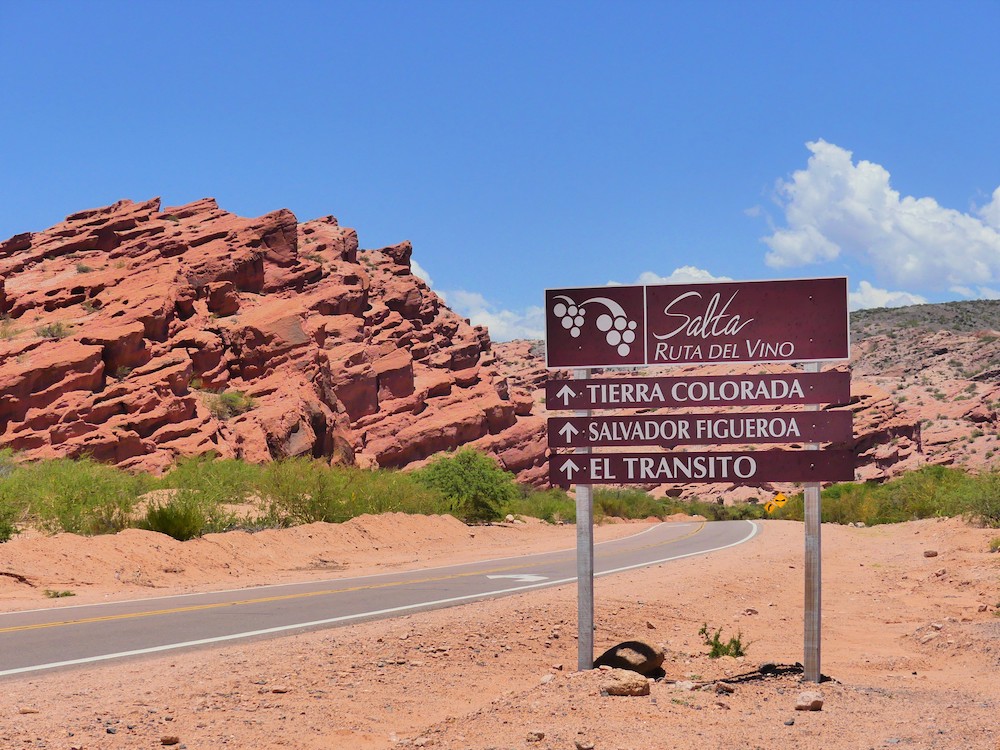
{"x": 609, "y": 317}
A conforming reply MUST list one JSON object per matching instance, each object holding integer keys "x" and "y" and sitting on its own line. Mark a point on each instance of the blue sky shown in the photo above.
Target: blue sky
{"x": 532, "y": 145}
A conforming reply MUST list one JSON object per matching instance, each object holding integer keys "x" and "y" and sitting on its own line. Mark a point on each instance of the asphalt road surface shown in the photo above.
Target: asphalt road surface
{"x": 64, "y": 637}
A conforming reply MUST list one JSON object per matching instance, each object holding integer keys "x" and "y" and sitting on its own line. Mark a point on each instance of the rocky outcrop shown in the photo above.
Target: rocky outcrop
{"x": 125, "y": 327}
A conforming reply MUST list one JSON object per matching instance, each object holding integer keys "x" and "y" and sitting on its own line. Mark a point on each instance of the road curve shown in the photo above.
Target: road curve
{"x": 39, "y": 640}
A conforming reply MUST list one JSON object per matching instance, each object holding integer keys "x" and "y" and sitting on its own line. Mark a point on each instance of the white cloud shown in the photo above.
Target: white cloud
{"x": 835, "y": 207}
{"x": 418, "y": 270}
{"x": 991, "y": 211}
{"x": 869, "y": 296}
{"x": 503, "y": 325}
{"x": 682, "y": 275}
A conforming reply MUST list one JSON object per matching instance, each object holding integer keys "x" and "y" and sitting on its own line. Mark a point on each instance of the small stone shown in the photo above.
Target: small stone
{"x": 546, "y": 679}
{"x": 584, "y": 745}
{"x": 982, "y": 608}
{"x": 810, "y": 700}
{"x": 170, "y": 740}
{"x": 930, "y": 553}
{"x": 929, "y": 637}
{"x": 535, "y": 736}
{"x": 625, "y": 682}
{"x": 281, "y": 690}
{"x": 940, "y": 572}
{"x": 27, "y": 710}
{"x": 790, "y": 722}
{"x": 110, "y": 730}
{"x": 685, "y": 685}
{"x": 650, "y": 626}
{"x": 749, "y": 611}
{"x": 558, "y": 667}
{"x": 509, "y": 518}
{"x": 936, "y": 625}
{"x": 723, "y": 688}
{"x": 721, "y": 704}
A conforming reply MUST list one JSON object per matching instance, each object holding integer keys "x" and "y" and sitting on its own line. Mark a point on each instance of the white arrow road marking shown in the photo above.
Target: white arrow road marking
{"x": 523, "y": 577}
{"x": 568, "y": 431}
{"x": 569, "y": 468}
{"x": 566, "y": 393}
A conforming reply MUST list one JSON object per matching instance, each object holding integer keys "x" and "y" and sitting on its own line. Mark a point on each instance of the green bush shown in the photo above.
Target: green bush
{"x": 983, "y": 503}
{"x": 182, "y": 517}
{"x": 301, "y": 490}
{"x": 216, "y": 480}
{"x": 929, "y": 492}
{"x": 78, "y": 496}
{"x": 475, "y": 488}
{"x": 552, "y": 505}
{"x": 733, "y": 647}
{"x": 8, "y": 515}
{"x": 626, "y": 503}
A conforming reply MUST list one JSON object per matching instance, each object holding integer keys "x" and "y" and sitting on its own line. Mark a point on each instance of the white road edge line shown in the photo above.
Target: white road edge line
{"x": 335, "y": 580}
{"x": 358, "y": 616}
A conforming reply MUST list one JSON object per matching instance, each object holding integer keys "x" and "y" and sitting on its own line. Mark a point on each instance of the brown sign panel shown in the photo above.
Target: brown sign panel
{"x": 701, "y": 429}
{"x": 832, "y": 387}
{"x": 747, "y": 467}
{"x": 799, "y": 320}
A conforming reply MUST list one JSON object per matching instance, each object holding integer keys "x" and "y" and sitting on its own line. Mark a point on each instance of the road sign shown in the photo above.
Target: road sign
{"x": 798, "y": 320}
{"x": 746, "y": 467}
{"x": 778, "y": 501}
{"x": 832, "y": 387}
{"x": 701, "y": 429}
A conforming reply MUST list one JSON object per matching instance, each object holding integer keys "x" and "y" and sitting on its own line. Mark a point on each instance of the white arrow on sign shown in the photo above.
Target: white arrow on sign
{"x": 568, "y": 431}
{"x": 569, "y": 468}
{"x": 523, "y": 577}
{"x": 566, "y": 393}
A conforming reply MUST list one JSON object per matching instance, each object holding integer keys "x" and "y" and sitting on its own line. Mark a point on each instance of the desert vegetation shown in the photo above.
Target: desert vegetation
{"x": 204, "y": 495}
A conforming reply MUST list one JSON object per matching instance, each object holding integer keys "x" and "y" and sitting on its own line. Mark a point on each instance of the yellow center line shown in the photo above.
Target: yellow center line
{"x": 304, "y": 594}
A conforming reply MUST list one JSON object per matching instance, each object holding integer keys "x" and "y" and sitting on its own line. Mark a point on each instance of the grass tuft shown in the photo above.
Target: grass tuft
{"x": 228, "y": 404}
{"x": 733, "y": 647}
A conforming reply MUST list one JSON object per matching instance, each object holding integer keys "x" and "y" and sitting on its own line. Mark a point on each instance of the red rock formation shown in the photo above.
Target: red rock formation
{"x": 122, "y": 324}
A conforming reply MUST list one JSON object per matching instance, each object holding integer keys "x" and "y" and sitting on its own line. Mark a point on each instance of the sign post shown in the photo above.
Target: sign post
{"x": 584, "y": 558}
{"x": 802, "y": 321}
{"x": 813, "y": 572}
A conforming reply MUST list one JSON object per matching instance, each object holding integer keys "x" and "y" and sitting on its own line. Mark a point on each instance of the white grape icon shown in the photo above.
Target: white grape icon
{"x": 618, "y": 330}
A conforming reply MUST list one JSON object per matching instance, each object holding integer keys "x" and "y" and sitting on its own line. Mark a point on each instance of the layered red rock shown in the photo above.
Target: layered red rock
{"x": 123, "y": 326}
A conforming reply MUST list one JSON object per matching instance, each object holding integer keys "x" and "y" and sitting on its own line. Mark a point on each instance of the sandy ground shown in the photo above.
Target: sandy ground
{"x": 912, "y": 644}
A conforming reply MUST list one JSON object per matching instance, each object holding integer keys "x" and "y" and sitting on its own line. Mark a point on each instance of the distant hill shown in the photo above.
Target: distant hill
{"x": 957, "y": 317}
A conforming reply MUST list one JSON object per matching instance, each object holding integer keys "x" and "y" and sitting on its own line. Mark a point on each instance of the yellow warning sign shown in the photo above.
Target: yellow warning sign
{"x": 778, "y": 501}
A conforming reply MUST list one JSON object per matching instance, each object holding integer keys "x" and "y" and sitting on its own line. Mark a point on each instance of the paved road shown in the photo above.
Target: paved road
{"x": 67, "y": 636}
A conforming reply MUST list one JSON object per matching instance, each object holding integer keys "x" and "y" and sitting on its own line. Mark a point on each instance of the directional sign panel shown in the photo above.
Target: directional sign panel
{"x": 747, "y": 467}
{"x": 800, "y": 320}
{"x": 711, "y": 390}
{"x": 701, "y": 429}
